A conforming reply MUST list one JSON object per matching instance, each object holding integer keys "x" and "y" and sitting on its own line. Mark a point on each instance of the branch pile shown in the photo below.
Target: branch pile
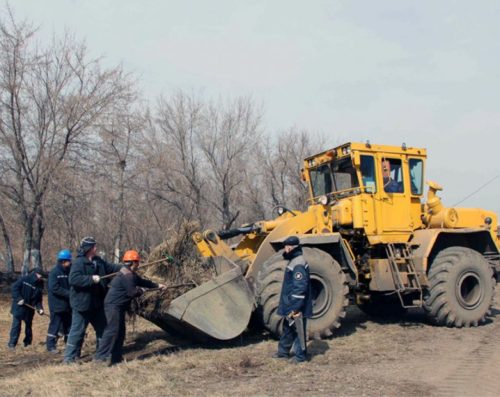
{"x": 183, "y": 273}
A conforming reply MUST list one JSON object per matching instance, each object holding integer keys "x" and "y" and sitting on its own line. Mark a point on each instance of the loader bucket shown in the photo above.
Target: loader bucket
{"x": 220, "y": 308}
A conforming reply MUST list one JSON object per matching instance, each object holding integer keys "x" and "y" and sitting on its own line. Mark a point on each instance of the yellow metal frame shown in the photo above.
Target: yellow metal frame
{"x": 383, "y": 217}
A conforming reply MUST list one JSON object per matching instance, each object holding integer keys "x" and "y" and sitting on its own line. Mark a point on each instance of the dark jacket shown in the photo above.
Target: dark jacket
{"x": 296, "y": 289}
{"x": 29, "y": 288}
{"x": 59, "y": 289}
{"x": 84, "y": 295}
{"x": 391, "y": 186}
{"x": 125, "y": 287}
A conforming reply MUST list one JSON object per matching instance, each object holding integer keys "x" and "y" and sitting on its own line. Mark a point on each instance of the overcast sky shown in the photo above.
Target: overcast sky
{"x": 426, "y": 73}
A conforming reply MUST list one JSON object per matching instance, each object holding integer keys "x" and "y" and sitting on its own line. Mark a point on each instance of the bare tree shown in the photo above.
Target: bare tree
{"x": 78, "y": 158}
{"x": 228, "y": 140}
{"x": 8, "y": 257}
{"x": 173, "y": 156}
{"x": 119, "y": 138}
{"x": 49, "y": 98}
{"x": 282, "y": 160}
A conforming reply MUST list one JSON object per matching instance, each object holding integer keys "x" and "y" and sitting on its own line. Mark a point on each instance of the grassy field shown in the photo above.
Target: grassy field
{"x": 404, "y": 357}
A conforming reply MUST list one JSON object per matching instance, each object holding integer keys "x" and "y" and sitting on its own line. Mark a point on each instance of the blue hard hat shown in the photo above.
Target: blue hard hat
{"x": 64, "y": 255}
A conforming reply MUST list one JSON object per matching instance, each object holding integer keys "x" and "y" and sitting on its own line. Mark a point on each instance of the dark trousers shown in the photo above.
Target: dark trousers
{"x": 290, "y": 338}
{"x": 79, "y": 323}
{"x": 59, "y": 323}
{"x": 15, "y": 330}
{"x": 111, "y": 345}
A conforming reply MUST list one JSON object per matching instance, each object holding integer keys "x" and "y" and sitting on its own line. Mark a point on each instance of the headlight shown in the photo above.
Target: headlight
{"x": 280, "y": 210}
{"x": 323, "y": 199}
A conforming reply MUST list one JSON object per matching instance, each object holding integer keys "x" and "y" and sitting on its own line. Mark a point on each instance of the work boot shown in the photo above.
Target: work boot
{"x": 280, "y": 356}
{"x": 102, "y": 362}
{"x": 295, "y": 361}
{"x": 11, "y": 347}
{"x": 53, "y": 351}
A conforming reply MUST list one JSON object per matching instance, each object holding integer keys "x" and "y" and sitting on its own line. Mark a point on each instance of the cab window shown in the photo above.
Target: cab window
{"x": 416, "y": 176}
{"x": 368, "y": 174}
{"x": 344, "y": 175}
{"x": 321, "y": 180}
{"x": 392, "y": 175}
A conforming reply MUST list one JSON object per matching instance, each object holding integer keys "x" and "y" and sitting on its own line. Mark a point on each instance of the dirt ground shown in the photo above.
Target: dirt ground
{"x": 405, "y": 357}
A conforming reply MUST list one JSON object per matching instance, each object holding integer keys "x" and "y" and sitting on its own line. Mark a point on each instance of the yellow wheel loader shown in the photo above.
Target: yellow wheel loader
{"x": 369, "y": 237}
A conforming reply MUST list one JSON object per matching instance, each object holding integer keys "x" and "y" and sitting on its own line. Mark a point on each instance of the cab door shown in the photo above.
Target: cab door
{"x": 393, "y": 196}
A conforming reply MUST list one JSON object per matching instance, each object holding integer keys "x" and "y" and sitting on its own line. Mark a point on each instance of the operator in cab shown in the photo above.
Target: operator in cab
{"x": 390, "y": 185}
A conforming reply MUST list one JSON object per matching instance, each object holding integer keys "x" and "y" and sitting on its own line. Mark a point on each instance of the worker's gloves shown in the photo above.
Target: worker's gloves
{"x": 162, "y": 286}
{"x": 143, "y": 289}
{"x": 21, "y": 302}
{"x": 96, "y": 278}
{"x": 40, "y": 312}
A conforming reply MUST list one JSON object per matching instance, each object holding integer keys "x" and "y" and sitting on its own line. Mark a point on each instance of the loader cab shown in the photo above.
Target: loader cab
{"x": 376, "y": 188}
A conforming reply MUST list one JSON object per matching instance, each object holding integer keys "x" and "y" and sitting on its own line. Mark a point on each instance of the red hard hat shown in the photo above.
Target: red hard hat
{"x": 131, "y": 256}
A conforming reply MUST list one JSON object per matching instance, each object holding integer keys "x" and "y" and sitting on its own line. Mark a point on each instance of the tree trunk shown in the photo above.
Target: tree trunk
{"x": 116, "y": 253}
{"x": 228, "y": 217}
{"x": 39, "y": 229}
{"x": 9, "y": 258}
{"x": 28, "y": 243}
{"x": 121, "y": 213}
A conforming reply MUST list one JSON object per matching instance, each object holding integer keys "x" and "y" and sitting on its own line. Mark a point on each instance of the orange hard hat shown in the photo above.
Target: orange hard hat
{"x": 131, "y": 256}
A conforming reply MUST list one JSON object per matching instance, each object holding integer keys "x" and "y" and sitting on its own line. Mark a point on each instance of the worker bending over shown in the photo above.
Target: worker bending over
{"x": 26, "y": 298}
{"x": 126, "y": 286}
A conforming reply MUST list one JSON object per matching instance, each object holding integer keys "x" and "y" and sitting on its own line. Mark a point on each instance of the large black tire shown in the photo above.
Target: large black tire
{"x": 461, "y": 288}
{"x": 329, "y": 289}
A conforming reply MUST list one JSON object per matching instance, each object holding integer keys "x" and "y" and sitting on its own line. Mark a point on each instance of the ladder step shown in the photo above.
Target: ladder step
{"x": 404, "y": 258}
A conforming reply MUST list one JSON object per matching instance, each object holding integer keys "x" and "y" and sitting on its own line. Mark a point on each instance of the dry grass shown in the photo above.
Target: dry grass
{"x": 406, "y": 358}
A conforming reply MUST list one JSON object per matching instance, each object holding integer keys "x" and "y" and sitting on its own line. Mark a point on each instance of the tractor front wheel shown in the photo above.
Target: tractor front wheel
{"x": 328, "y": 286}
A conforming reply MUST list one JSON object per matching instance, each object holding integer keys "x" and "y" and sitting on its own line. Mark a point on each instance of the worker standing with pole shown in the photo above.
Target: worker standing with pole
{"x": 26, "y": 298}
{"x": 60, "y": 310}
{"x": 126, "y": 286}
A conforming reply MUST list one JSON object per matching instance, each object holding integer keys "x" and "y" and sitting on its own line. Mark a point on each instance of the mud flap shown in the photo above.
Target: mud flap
{"x": 220, "y": 308}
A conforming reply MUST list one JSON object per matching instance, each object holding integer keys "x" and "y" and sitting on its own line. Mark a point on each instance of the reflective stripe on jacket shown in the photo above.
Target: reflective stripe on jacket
{"x": 29, "y": 288}
{"x": 296, "y": 288}
{"x": 59, "y": 289}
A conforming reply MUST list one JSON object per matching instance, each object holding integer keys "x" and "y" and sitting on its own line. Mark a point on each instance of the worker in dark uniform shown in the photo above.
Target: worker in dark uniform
{"x": 126, "y": 286}
{"x": 86, "y": 296}
{"x": 26, "y": 298}
{"x": 295, "y": 300}
{"x": 60, "y": 310}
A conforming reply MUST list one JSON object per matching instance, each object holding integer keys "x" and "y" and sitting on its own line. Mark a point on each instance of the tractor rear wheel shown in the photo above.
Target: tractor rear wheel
{"x": 329, "y": 290}
{"x": 461, "y": 288}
